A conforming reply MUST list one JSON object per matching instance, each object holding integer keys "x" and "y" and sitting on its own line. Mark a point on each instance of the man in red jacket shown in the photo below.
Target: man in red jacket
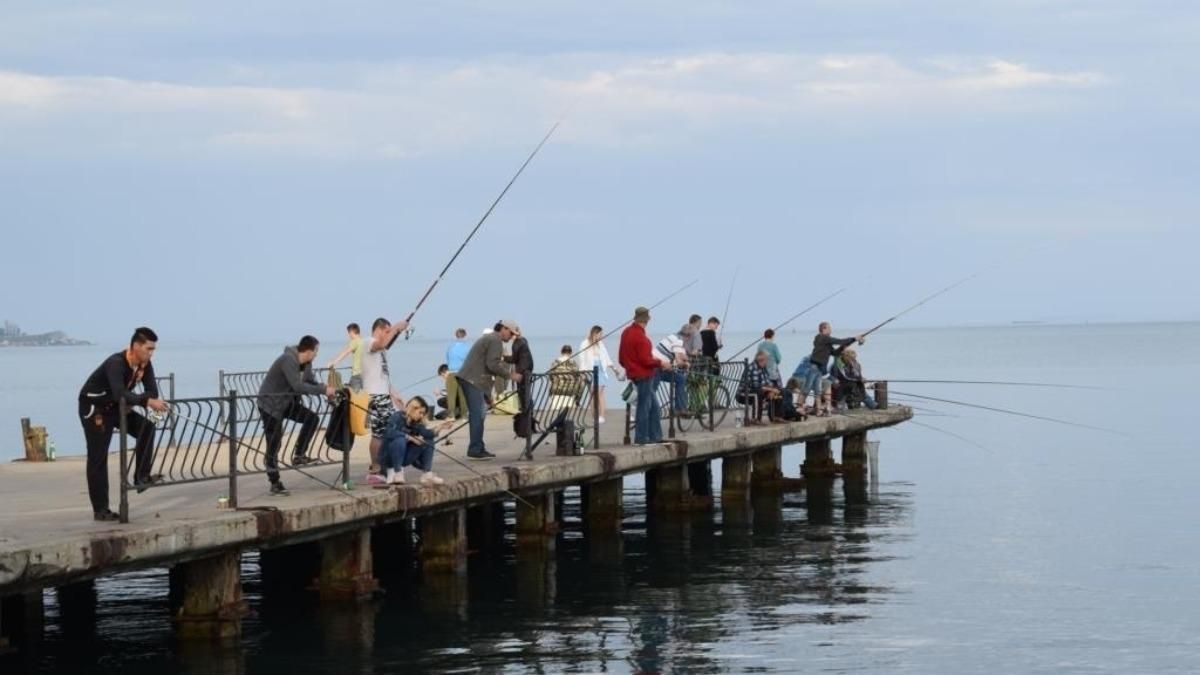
{"x": 637, "y": 358}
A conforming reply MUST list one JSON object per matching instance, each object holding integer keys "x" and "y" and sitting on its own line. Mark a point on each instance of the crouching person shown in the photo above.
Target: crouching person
{"x": 408, "y": 442}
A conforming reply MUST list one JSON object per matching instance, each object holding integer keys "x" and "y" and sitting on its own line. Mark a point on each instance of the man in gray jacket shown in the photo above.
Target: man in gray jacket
{"x": 279, "y": 399}
{"x": 484, "y": 362}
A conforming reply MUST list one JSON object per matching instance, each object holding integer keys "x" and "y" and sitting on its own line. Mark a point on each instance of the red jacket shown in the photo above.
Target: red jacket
{"x": 636, "y": 355}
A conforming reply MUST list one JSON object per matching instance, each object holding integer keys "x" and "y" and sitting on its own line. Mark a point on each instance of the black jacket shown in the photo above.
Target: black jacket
{"x": 522, "y": 357}
{"x": 114, "y": 380}
{"x": 825, "y": 346}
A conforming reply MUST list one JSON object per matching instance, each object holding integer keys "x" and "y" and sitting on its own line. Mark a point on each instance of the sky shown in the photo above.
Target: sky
{"x": 227, "y": 172}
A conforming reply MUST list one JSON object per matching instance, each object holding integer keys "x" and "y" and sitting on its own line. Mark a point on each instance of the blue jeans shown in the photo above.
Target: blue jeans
{"x": 680, "y": 377}
{"x": 647, "y": 428}
{"x": 812, "y": 380}
{"x": 419, "y": 456}
{"x": 476, "y": 410}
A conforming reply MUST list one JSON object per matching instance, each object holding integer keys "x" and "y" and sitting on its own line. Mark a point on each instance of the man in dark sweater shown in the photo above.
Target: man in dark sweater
{"x": 280, "y": 398}
{"x": 99, "y": 412}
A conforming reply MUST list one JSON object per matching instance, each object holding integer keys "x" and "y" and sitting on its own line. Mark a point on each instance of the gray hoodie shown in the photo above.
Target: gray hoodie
{"x": 287, "y": 376}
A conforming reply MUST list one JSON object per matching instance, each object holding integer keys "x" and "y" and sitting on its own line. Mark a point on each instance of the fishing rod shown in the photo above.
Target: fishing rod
{"x": 799, "y": 314}
{"x": 478, "y": 225}
{"x": 1016, "y": 413}
{"x": 947, "y": 289}
{"x": 728, "y": 299}
{"x": 1052, "y": 385}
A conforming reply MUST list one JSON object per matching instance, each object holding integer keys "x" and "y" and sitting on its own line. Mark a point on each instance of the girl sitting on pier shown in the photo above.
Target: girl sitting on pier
{"x": 408, "y": 442}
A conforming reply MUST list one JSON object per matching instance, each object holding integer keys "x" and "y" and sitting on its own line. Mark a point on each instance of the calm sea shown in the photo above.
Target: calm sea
{"x": 1023, "y": 546}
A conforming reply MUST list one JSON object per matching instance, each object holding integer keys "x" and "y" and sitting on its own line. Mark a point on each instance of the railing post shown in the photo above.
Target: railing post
{"x": 122, "y": 428}
{"x": 714, "y": 383}
{"x": 231, "y": 401}
{"x": 349, "y": 442}
{"x": 596, "y": 407}
{"x": 528, "y": 420}
{"x": 221, "y": 394}
{"x": 748, "y": 395}
{"x": 171, "y": 397}
{"x": 627, "y": 440}
{"x": 671, "y": 432}
{"x": 881, "y": 395}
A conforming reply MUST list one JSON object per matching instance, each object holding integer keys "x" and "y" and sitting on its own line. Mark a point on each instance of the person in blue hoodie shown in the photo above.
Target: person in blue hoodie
{"x": 409, "y": 442}
{"x": 456, "y": 355}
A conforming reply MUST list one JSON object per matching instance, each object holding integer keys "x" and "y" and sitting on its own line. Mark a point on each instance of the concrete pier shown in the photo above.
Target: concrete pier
{"x": 322, "y": 538}
{"x": 444, "y": 542}
{"x": 347, "y": 566}
{"x": 210, "y": 600}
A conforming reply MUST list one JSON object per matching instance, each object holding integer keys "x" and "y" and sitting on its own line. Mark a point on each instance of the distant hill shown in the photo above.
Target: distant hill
{"x": 11, "y": 336}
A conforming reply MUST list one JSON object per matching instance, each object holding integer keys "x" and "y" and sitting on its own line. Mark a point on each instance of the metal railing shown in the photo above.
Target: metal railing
{"x": 224, "y": 438}
{"x": 561, "y": 395}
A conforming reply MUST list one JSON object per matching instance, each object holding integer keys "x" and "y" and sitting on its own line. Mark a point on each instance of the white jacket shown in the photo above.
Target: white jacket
{"x": 590, "y": 357}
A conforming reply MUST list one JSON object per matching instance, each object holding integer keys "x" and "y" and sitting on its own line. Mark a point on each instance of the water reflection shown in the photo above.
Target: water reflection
{"x": 709, "y": 592}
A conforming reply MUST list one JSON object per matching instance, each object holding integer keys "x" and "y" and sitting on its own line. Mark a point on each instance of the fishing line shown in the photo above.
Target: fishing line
{"x": 951, "y": 434}
{"x": 1052, "y": 385}
{"x": 1016, "y": 413}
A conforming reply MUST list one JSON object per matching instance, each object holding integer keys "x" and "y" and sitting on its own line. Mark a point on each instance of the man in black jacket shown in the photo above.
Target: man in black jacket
{"x": 99, "y": 412}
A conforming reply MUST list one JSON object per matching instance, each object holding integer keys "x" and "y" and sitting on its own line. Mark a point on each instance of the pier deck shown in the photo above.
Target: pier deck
{"x": 47, "y": 536}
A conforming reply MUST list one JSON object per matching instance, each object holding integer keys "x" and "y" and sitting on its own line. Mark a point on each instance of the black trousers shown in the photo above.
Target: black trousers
{"x": 97, "y": 433}
{"x": 273, "y": 429}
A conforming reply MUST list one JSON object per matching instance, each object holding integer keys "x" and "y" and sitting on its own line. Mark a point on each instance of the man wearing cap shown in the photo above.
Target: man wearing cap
{"x": 484, "y": 363}
{"x": 636, "y": 356}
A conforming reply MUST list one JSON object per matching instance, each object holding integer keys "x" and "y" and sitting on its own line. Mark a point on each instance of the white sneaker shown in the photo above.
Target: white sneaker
{"x": 431, "y": 480}
{"x": 395, "y": 477}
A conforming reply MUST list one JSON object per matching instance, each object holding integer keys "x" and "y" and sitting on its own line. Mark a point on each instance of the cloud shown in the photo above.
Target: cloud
{"x": 413, "y": 109}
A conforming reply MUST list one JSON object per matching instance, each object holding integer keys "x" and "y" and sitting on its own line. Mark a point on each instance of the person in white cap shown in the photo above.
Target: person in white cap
{"x": 484, "y": 363}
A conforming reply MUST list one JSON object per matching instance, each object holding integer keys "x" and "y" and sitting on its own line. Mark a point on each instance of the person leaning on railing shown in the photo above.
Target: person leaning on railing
{"x": 279, "y": 398}
{"x": 114, "y": 380}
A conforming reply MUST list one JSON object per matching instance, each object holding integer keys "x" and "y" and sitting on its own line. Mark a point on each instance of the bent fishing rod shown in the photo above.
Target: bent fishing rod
{"x": 475, "y": 230}
{"x": 1016, "y": 413}
{"x": 795, "y": 316}
{"x": 947, "y": 289}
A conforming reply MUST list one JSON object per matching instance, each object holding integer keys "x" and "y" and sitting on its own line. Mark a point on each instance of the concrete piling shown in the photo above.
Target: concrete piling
{"x": 347, "y": 567}
{"x": 485, "y": 529}
{"x": 603, "y": 505}
{"x": 537, "y": 524}
{"x": 209, "y": 592}
{"x": 736, "y": 472}
{"x": 768, "y": 466}
{"x": 22, "y": 620}
{"x": 444, "y": 542}
{"x": 854, "y": 468}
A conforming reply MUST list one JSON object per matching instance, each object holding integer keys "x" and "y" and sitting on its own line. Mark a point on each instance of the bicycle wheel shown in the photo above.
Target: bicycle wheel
{"x": 696, "y": 391}
{"x": 722, "y": 403}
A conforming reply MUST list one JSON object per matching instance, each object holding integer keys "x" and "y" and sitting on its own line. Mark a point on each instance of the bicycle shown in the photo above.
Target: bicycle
{"x": 704, "y": 379}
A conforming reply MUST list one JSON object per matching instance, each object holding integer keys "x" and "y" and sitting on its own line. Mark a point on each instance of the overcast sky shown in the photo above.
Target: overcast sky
{"x": 226, "y": 172}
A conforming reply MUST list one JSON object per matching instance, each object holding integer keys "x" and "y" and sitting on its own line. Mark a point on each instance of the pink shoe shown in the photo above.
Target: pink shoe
{"x": 376, "y": 479}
